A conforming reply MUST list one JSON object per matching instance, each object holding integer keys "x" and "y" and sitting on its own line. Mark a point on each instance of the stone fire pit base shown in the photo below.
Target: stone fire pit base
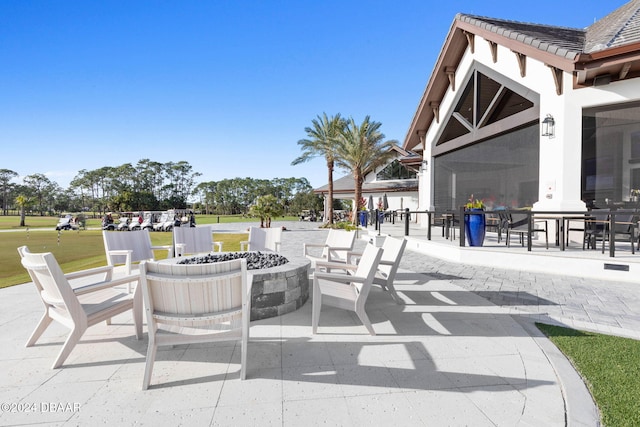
{"x": 279, "y": 290}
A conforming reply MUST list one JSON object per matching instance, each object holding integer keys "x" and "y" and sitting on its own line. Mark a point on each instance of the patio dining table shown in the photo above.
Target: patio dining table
{"x": 563, "y": 221}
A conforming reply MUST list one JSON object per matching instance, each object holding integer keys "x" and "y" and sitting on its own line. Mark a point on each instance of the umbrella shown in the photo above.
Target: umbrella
{"x": 385, "y": 202}
{"x": 370, "y": 203}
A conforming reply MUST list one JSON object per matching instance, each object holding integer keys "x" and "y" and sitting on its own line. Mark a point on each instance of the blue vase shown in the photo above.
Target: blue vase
{"x": 363, "y": 218}
{"x": 474, "y": 228}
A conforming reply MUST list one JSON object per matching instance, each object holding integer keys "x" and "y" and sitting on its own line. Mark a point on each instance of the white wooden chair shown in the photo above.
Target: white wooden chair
{"x": 128, "y": 247}
{"x": 335, "y": 248}
{"x": 346, "y": 291}
{"x": 392, "y": 250}
{"x": 193, "y": 240}
{"x": 195, "y": 303}
{"x": 263, "y": 239}
{"x": 80, "y": 307}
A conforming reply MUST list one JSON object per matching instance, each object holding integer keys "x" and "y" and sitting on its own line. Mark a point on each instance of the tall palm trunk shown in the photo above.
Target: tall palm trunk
{"x": 330, "y": 195}
{"x": 357, "y": 178}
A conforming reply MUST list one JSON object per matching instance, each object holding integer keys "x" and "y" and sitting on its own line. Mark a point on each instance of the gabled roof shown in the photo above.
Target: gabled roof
{"x": 346, "y": 184}
{"x": 608, "y": 50}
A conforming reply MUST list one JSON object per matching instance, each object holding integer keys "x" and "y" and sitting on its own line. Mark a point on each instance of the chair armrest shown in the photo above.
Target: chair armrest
{"x": 106, "y": 284}
{"x": 244, "y": 244}
{"x": 337, "y": 277}
{"x": 351, "y": 255}
{"x": 180, "y": 248}
{"x": 122, "y": 252}
{"x": 219, "y": 245}
{"x": 106, "y": 270}
{"x": 168, "y": 248}
{"x": 330, "y": 249}
{"x": 311, "y": 245}
{"x": 278, "y": 246}
{"x": 119, "y": 252}
{"x": 337, "y": 265}
{"x": 540, "y": 221}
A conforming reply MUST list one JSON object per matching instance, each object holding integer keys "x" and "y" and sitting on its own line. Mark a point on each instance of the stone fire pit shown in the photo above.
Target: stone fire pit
{"x": 279, "y": 285}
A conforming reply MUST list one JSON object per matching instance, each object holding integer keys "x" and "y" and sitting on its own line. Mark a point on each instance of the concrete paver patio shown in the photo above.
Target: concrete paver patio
{"x": 446, "y": 357}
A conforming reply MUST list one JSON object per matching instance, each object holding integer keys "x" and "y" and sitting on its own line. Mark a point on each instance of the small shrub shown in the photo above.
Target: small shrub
{"x": 342, "y": 225}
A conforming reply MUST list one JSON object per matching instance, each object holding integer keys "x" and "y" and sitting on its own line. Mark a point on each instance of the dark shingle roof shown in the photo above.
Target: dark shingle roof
{"x": 620, "y": 27}
{"x": 562, "y": 41}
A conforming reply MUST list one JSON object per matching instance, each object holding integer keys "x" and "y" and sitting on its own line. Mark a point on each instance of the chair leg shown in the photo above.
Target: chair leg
{"x": 546, "y": 237}
{"x": 148, "y": 368}
{"x": 137, "y": 311}
{"x": 45, "y": 321}
{"x": 243, "y": 357}
{"x": 316, "y": 307}
{"x": 69, "y": 344}
{"x": 246, "y": 316}
{"x": 394, "y": 294}
{"x": 362, "y": 315}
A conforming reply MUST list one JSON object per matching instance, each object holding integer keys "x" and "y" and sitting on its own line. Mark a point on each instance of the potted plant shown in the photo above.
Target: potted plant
{"x": 474, "y": 225}
{"x": 362, "y": 212}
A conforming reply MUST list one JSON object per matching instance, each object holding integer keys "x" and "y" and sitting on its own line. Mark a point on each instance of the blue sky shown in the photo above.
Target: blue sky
{"x": 228, "y": 86}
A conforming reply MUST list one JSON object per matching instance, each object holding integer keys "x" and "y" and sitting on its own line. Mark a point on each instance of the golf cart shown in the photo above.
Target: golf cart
{"x": 66, "y": 223}
{"x": 167, "y": 221}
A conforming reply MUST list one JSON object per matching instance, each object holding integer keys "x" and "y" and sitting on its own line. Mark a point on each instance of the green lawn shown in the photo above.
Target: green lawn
{"x": 74, "y": 250}
{"x": 610, "y": 367}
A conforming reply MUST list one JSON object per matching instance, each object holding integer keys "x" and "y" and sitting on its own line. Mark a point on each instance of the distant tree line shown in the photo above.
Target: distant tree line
{"x": 149, "y": 185}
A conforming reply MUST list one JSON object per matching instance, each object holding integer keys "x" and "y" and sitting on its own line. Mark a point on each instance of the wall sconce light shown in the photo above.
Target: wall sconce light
{"x": 548, "y": 126}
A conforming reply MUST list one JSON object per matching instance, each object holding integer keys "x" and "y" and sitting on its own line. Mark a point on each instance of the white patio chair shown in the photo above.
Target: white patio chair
{"x": 193, "y": 240}
{"x": 346, "y": 291}
{"x": 195, "y": 303}
{"x": 128, "y": 247}
{"x": 392, "y": 250}
{"x": 81, "y": 307}
{"x": 335, "y": 247}
{"x": 263, "y": 239}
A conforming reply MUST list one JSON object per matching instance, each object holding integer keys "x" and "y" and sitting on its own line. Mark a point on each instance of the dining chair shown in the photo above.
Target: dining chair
{"x": 518, "y": 223}
{"x": 626, "y": 224}
{"x": 347, "y": 291}
{"x": 596, "y": 225}
{"x": 81, "y": 307}
{"x": 195, "y": 303}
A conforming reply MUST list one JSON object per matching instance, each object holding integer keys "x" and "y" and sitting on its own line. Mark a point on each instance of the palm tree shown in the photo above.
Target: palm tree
{"x": 361, "y": 149}
{"x": 321, "y": 141}
{"x": 23, "y": 202}
{"x": 267, "y": 207}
